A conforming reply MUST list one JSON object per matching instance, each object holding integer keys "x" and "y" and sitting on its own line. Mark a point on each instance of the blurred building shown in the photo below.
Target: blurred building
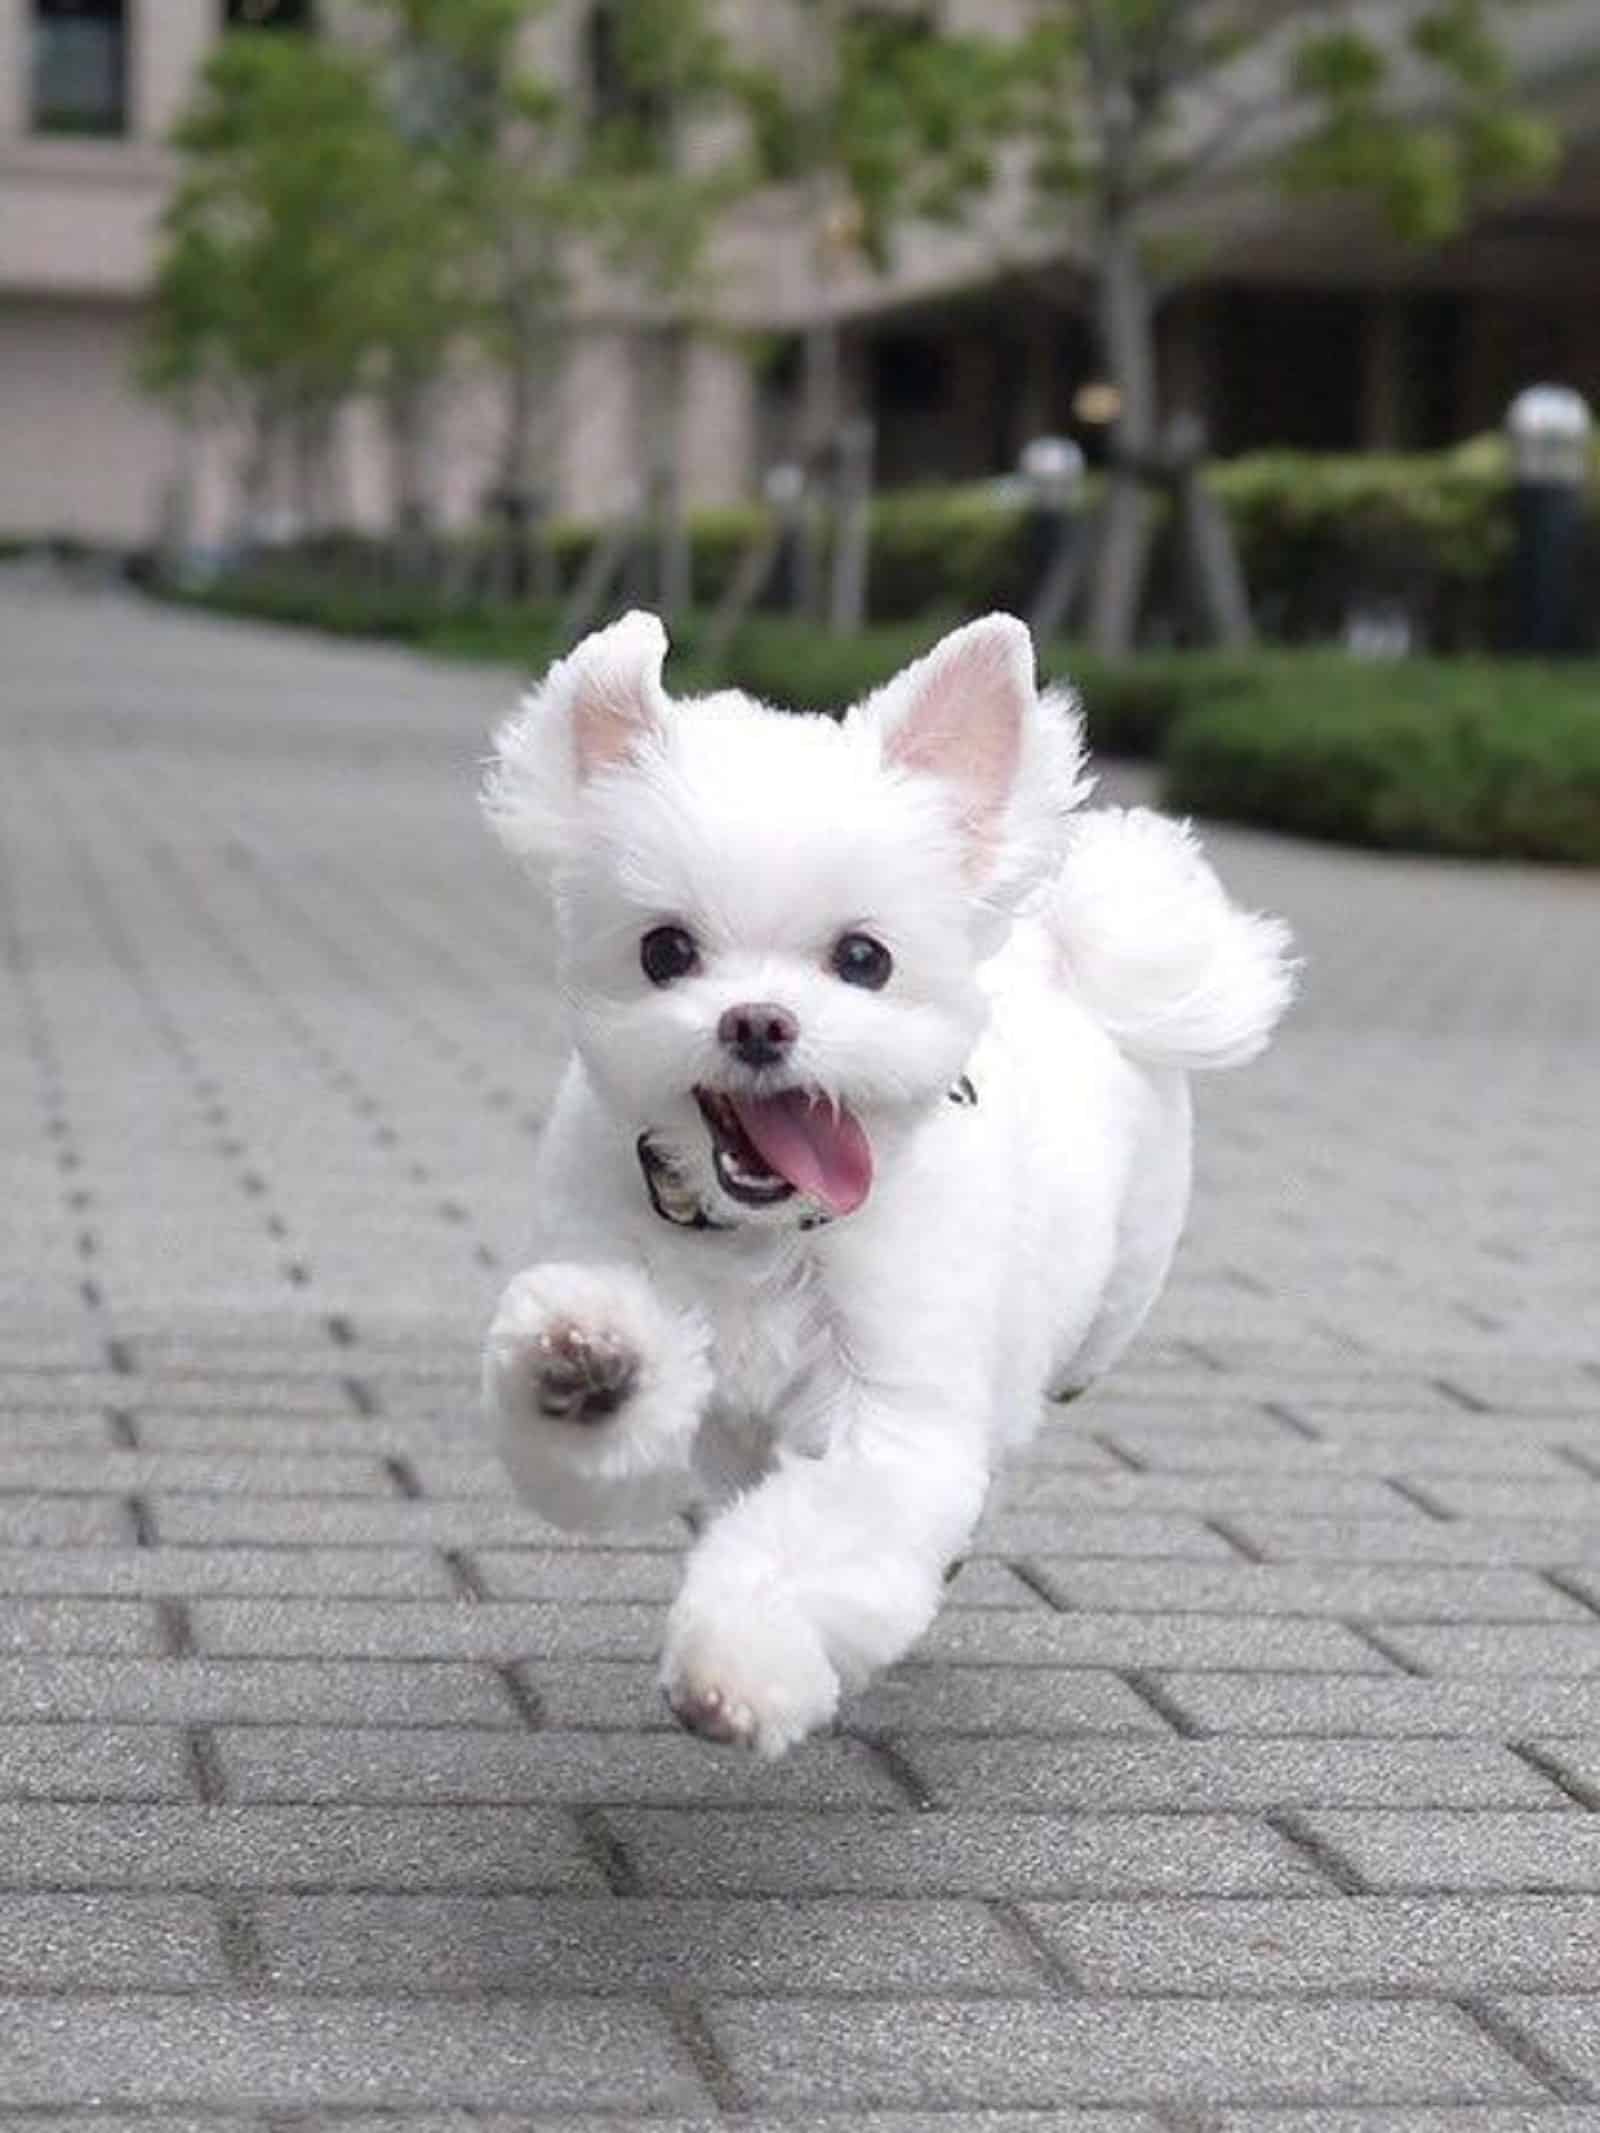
{"x": 1307, "y": 325}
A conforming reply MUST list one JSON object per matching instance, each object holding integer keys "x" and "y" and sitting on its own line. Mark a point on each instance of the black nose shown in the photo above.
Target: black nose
{"x": 758, "y": 1033}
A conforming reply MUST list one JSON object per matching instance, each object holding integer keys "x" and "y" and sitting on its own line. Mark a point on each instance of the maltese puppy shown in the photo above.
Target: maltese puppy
{"x": 875, "y": 1132}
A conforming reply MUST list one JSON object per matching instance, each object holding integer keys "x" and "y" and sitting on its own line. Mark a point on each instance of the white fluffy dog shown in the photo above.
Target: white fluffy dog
{"x": 875, "y": 1133}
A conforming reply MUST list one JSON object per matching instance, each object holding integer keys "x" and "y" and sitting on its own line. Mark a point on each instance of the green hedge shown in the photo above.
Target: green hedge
{"x": 1130, "y": 705}
{"x": 1316, "y": 533}
{"x": 1468, "y": 757}
{"x": 1463, "y": 756}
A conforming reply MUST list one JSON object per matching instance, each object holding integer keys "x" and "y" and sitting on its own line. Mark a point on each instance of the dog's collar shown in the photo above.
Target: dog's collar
{"x": 676, "y": 1202}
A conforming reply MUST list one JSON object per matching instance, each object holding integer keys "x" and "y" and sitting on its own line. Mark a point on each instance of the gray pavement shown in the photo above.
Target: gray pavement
{"x": 1251, "y": 1783}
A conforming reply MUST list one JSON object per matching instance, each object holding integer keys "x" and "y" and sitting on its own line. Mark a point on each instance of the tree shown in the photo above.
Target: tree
{"x": 650, "y": 205}
{"x": 1130, "y": 102}
{"x": 547, "y": 189}
{"x": 297, "y": 258}
{"x": 873, "y": 119}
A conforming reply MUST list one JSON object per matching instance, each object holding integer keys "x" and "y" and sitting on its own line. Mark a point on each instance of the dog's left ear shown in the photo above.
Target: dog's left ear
{"x": 961, "y": 715}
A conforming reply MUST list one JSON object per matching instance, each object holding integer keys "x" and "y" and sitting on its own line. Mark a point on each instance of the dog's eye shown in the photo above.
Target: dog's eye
{"x": 860, "y": 960}
{"x": 668, "y": 952}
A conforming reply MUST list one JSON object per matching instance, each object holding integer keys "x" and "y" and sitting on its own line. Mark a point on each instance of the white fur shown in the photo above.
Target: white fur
{"x": 838, "y": 1396}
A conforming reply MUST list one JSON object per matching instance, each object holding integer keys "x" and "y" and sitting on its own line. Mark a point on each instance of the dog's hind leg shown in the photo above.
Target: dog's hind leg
{"x": 596, "y": 1388}
{"x": 1149, "y": 1224}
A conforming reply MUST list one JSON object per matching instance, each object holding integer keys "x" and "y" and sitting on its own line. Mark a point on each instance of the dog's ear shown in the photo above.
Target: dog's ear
{"x": 592, "y": 711}
{"x": 614, "y": 679}
{"x": 961, "y": 715}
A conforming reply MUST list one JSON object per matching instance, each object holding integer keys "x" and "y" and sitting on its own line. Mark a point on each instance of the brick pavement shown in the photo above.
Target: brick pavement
{"x": 1251, "y": 1783}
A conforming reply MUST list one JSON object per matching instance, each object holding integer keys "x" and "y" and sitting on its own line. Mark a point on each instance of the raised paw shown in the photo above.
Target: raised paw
{"x": 579, "y": 1373}
{"x": 595, "y": 1389}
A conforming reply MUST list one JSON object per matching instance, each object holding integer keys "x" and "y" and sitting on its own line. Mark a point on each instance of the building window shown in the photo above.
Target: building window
{"x": 269, "y": 14}
{"x": 80, "y": 66}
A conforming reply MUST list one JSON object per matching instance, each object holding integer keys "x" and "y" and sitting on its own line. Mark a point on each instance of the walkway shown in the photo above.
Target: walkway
{"x": 1251, "y": 1783}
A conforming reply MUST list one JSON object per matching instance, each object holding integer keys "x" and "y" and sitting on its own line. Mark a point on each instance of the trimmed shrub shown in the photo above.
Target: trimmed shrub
{"x": 1465, "y": 757}
{"x": 1130, "y": 705}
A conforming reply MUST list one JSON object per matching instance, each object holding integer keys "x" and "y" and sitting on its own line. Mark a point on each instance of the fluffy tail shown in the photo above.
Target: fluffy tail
{"x": 1150, "y": 944}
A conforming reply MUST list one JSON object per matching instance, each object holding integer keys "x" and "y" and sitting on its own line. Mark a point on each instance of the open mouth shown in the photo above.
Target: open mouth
{"x": 765, "y": 1149}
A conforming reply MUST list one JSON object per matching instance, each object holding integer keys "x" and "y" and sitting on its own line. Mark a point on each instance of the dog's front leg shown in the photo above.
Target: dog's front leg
{"x": 828, "y": 1571}
{"x": 596, "y": 1387}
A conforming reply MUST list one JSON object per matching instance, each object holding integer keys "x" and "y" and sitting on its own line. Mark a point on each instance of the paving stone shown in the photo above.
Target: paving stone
{"x": 1031, "y": 1637}
{"x": 1440, "y": 1851}
{"x": 1569, "y": 1495}
{"x": 460, "y": 1629}
{"x": 339, "y": 1433}
{"x": 1413, "y": 2118}
{"x": 201, "y": 1691}
{"x": 78, "y": 1626}
{"x": 94, "y": 1762}
{"x": 1442, "y": 1946}
{"x": 1224, "y": 1494}
{"x": 1109, "y": 1533}
{"x": 436, "y": 1763}
{"x": 601, "y": 1573}
{"x": 987, "y": 1854}
{"x": 825, "y": 2052}
{"x": 194, "y": 1572}
{"x": 1577, "y": 1761}
{"x": 263, "y": 1847}
{"x": 1368, "y": 1591}
{"x": 108, "y": 1942}
{"x": 1182, "y": 1776}
{"x": 600, "y": 2053}
{"x": 1536, "y": 1542}
{"x": 918, "y": 1699}
{"x": 215, "y": 1521}
{"x": 1093, "y": 2119}
{"x": 1566, "y": 2031}
{"x": 1347, "y": 1704}
{"x": 400, "y": 1944}
{"x": 1476, "y": 1648}
{"x": 62, "y": 1521}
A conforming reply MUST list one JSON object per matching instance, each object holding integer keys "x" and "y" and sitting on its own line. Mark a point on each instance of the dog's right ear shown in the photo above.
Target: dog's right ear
{"x": 591, "y": 712}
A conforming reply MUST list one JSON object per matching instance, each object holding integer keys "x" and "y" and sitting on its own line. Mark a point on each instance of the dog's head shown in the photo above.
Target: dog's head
{"x": 771, "y": 926}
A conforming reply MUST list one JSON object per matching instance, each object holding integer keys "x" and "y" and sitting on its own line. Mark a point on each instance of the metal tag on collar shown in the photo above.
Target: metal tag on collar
{"x": 669, "y": 1195}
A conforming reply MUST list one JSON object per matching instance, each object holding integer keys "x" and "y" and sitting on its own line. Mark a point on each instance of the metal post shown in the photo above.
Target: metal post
{"x": 1550, "y": 428}
{"x": 1052, "y": 467}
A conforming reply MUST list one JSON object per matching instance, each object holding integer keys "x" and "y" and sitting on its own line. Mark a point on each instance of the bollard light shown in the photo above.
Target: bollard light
{"x": 1549, "y": 428}
{"x": 784, "y": 485}
{"x": 1053, "y": 469}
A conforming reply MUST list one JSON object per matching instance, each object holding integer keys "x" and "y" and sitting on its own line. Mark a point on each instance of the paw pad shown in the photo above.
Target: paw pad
{"x": 709, "y": 1713}
{"x": 579, "y": 1375}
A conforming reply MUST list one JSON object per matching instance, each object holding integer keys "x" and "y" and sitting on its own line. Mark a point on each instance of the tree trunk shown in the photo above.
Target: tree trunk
{"x": 406, "y": 411}
{"x": 521, "y": 501}
{"x": 312, "y": 443}
{"x": 1125, "y": 318}
{"x": 255, "y": 476}
{"x": 664, "y": 376}
{"x": 819, "y": 431}
{"x": 852, "y": 529}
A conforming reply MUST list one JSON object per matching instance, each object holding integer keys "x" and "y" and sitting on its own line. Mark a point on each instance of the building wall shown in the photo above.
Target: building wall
{"x": 978, "y": 368}
{"x": 80, "y": 451}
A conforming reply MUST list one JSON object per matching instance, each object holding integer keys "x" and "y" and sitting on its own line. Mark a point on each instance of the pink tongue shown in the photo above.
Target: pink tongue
{"x": 822, "y": 1152}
